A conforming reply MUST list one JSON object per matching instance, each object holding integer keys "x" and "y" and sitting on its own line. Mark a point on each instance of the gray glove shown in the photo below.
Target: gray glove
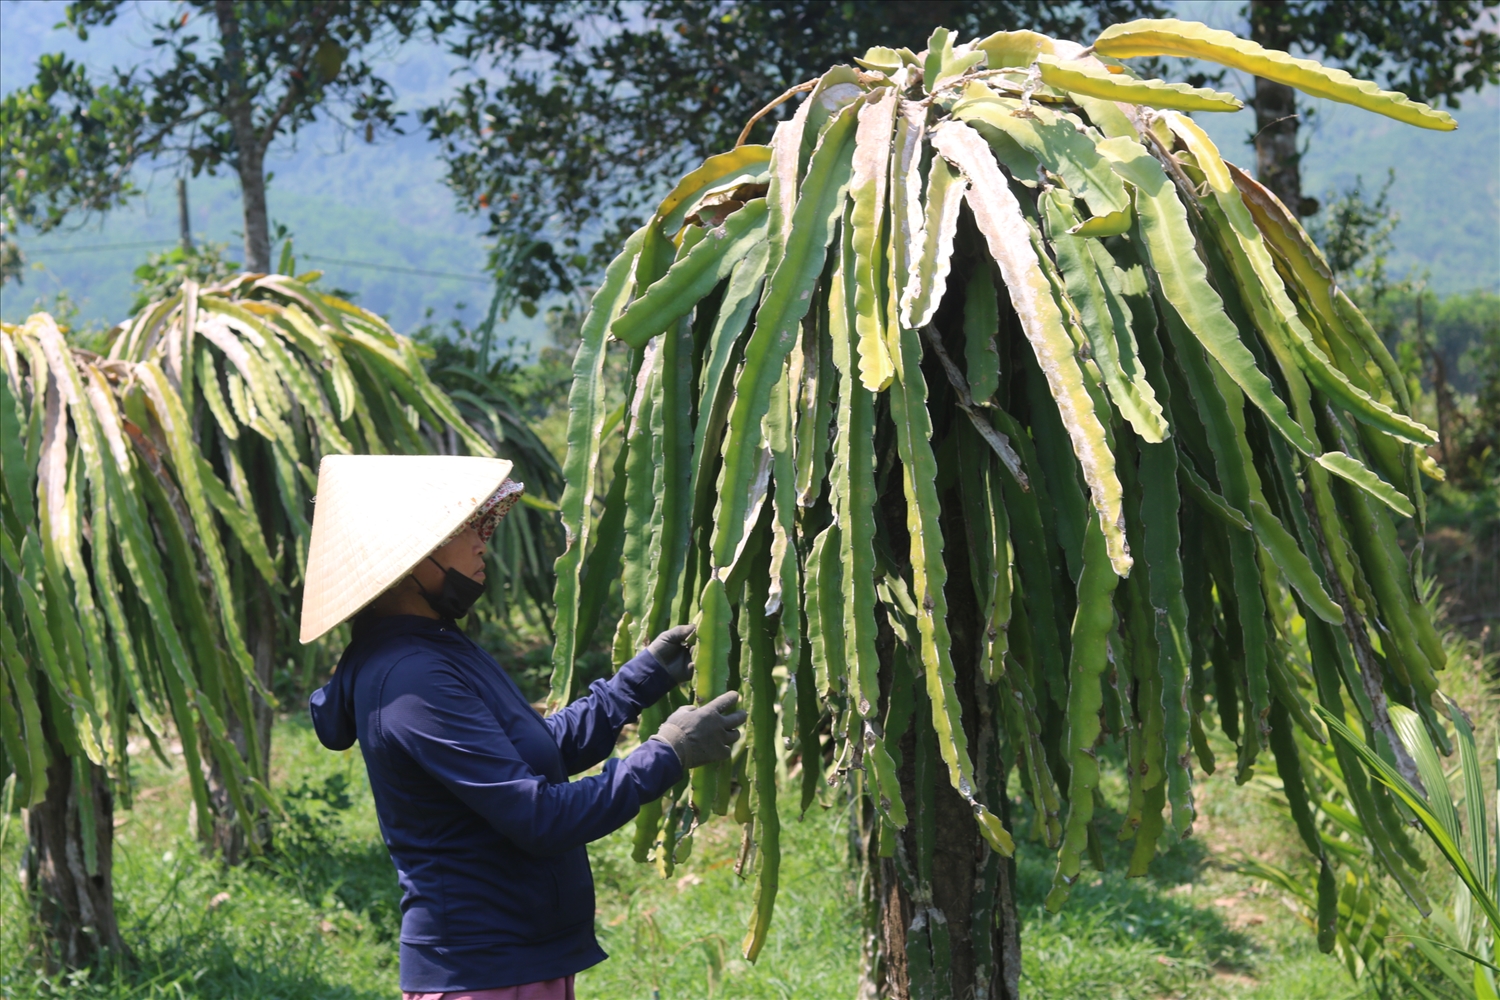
{"x": 669, "y": 650}
{"x": 703, "y": 734}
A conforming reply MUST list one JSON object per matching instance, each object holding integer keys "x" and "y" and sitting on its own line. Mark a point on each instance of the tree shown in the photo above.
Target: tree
{"x": 1434, "y": 52}
{"x": 44, "y": 144}
{"x": 155, "y": 509}
{"x": 232, "y": 79}
{"x": 1355, "y": 234}
{"x": 600, "y": 99}
{"x": 984, "y": 416}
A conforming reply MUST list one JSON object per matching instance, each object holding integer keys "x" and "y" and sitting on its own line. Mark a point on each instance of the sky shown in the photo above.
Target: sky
{"x": 371, "y": 215}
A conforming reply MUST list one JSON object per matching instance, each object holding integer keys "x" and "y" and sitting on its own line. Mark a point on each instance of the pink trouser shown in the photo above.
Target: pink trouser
{"x": 550, "y": 989}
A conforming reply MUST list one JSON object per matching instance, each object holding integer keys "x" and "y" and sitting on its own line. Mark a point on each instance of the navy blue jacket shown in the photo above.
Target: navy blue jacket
{"x": 471, "y": 786}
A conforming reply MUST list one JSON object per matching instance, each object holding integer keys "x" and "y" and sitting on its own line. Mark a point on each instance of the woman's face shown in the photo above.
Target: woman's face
{"x": 465, "y": 554}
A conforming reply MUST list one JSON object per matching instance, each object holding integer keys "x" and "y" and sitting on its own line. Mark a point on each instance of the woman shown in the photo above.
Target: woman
{"x": 470, "y": 782}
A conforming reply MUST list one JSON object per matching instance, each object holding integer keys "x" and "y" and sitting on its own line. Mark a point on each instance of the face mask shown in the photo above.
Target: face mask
{"x": 458, "y": 594}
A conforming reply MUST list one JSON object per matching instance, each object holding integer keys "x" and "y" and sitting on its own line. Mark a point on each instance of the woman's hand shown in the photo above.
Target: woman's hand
{"x": 670, "y": 651}
{"x": 704, "y": 734}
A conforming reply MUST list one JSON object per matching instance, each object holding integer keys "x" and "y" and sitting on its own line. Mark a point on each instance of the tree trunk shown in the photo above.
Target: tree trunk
{"x": 69, "y": 861}
{"x": 253, "y": 187}
{"x": 184, "y": 220}
{"x": 946, "y": 928}
{"x": 1277, "y": 159}
{"x": 1444, "y": 404}
{"x": 229, "y": 835}
{"x": 250, "y": 148}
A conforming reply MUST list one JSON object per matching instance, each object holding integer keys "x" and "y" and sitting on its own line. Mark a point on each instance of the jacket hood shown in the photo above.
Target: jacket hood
{"x": 332, "y": 705}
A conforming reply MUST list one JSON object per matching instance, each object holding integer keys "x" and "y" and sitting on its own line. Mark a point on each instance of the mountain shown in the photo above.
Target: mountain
{"x": 385, "y": 206}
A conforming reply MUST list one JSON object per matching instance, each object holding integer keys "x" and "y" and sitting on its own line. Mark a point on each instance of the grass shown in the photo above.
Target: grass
{"x": 318, "y": 917}
{"x": 680, "y": 937}
{"x": 1192, "y": 927}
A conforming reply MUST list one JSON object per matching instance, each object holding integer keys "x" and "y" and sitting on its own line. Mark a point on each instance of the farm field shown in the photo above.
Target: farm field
{"x": 317, "y": 918}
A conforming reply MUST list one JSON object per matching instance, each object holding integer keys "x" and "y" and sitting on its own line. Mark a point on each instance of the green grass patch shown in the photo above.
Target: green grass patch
{"x": 680, "y": 936}
{"x": 318, "y": 917}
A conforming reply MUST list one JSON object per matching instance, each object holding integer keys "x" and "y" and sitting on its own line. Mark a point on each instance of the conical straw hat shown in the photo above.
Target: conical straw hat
{"x": 376, "y": 517}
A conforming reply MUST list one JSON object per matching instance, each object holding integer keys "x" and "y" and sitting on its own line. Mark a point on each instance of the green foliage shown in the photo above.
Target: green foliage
{"x": 1134, "y": 259}
{"x": 56, "y": 125}
{"x": 156, "y": 518}
{"x": 1449, "y": 349}
{"x": 678, "y": 935}
{"x": 1193, "y": 926}
{"x": 12, "y": 261}
{"x": 564, "y": 153}
{"x": 1354, "y": 233}
{"x": 1485, "y": 360}
{"x": 43, "y": 144}
{"x": 561, "y": 156}
{"x": 1382, "y": 940}
{"x": 163, "y": 274}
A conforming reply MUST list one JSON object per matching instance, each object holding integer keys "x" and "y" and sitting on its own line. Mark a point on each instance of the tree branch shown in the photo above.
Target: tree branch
{"x": 288, "y": 99}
